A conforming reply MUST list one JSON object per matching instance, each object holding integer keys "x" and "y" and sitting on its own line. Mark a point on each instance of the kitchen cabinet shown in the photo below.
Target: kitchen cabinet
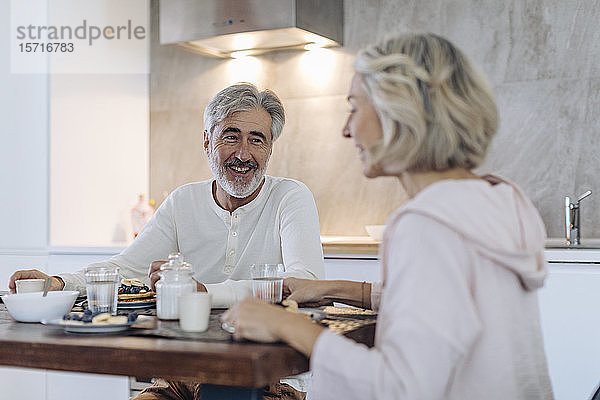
{"x": 33, "y": 384}
{"x": 570, "y": 320}
{"x": 70, "y": 385}
{"x": 22, "y": 383}
{"x": 351, "y": 258}
{"x": 353, "y": 268}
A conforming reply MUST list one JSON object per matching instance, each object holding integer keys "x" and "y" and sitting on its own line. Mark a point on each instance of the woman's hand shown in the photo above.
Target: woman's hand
{"x": 255, "y": 319}
{"x": 313, "y": 293}
{"x": 306, "y": 292}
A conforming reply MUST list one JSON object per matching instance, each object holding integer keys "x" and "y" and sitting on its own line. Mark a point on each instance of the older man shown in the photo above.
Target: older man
{"x": 241, "y": 217}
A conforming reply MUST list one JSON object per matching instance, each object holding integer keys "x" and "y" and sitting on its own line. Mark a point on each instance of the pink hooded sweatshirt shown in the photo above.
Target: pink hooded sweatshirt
{"x": 458, "y": 309}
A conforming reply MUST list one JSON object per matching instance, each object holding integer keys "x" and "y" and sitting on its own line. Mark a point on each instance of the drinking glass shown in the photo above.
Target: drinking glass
{"x": 267, "y": 281}
{"x": 102, "y": 285}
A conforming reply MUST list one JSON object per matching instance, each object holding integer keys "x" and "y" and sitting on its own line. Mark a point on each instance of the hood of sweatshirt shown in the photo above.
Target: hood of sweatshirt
{"x": 495, "y": 216}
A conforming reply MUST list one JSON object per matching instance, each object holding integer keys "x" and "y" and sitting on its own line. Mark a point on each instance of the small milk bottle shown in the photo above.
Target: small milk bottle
{"x": 175, "y": 280}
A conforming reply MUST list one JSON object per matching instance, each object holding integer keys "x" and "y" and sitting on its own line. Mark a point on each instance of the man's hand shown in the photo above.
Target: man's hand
{"x": 200, "y": 287}
{"x": 153, "y": 273}
{"x": 57, "y": 283}
{"x": 154, "y": 277}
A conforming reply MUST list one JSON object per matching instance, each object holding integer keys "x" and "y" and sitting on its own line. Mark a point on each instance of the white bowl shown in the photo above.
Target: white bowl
{"x": 32, "y": 307}
{"x": 375, "y": 231}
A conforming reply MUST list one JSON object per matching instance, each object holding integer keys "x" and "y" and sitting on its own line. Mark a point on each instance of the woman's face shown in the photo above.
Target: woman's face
{"x": 363, "y": 125}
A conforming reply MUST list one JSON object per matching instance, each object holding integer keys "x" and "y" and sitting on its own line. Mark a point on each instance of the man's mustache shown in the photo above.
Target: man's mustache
{"x": 236, "y": 162}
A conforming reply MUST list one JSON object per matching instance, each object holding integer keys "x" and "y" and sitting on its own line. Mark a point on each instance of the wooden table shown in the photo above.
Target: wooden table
{"x": 230, "y": 370}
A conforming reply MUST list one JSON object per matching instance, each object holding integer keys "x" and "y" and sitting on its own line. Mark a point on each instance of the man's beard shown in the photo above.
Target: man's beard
{"x": 237, "y": 188}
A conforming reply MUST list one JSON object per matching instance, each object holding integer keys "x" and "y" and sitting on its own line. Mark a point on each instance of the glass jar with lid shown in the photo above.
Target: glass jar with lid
{"x": 175, "y": 280}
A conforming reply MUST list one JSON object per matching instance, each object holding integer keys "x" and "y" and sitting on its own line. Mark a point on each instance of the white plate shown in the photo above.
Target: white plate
{"x": 136, "y": 304}
{"x": 87, "y": 328}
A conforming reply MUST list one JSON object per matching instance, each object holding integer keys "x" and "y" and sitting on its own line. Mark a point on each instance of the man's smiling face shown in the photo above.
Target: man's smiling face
{"x": 238, "y": 151}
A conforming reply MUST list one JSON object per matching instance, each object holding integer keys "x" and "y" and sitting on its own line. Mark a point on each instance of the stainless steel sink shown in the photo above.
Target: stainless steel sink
{"x": 586, "y": 244}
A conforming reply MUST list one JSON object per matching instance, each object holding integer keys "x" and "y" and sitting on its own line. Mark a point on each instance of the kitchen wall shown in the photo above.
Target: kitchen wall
{"x": 541, "y": 56}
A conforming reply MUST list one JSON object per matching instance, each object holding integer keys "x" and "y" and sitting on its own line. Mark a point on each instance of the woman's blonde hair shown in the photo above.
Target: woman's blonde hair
{"x": 436, "y": 110}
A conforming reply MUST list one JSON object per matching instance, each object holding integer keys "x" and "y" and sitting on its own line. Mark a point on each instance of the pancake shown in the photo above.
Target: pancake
{"x": 134, "y": 290}
{"x": 131, "y": 298}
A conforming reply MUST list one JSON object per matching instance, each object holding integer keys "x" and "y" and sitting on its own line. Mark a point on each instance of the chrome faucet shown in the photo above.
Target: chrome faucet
{"x": 572, "y": 220}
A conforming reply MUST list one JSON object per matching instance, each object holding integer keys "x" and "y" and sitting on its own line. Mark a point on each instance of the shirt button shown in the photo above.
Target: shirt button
{"x": 228, "y": 269}
{"x": 233, "y": 233}
{"x": 232, "y": 252}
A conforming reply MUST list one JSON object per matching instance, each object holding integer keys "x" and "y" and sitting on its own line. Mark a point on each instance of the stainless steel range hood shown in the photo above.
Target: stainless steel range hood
{"x": 226, "y": 28}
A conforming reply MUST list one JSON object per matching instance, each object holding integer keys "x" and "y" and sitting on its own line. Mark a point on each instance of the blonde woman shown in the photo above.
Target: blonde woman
{"x": 462, "y": 259}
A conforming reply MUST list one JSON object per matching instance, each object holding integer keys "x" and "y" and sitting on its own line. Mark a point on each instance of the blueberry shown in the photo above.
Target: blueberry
{"x": 132, "y": 316}
{"x": 87, "y": 312}
{"x": 87, "y": 318}
{"x": 66, "y": 317}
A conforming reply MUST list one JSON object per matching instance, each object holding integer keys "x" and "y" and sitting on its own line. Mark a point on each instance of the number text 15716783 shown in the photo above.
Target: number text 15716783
{"x": 39, "y": 47}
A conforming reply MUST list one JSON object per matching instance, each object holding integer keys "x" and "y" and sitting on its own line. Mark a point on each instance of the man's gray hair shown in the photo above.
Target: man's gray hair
{"x": 244, "y": 97}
